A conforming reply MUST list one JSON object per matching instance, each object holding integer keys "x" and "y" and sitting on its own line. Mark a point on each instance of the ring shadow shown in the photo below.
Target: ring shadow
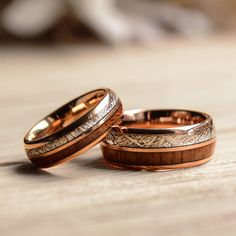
{"x": 25, "y": 168}
{"x": 30, "y": 169}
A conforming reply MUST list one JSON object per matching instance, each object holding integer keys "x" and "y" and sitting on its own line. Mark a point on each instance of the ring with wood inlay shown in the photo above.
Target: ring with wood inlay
{"x": 74, "y": 128}
{"x": 160, "y": 140}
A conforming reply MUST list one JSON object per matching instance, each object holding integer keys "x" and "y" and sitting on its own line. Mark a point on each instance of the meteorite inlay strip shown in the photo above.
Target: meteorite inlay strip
{"x": 91, "y": 121}
{"x": 200, "y": 134}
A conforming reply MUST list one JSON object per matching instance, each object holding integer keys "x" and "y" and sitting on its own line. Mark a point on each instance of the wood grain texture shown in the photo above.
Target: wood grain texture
{"x": 87, "y": 197}
{"x": 145, "y": 158}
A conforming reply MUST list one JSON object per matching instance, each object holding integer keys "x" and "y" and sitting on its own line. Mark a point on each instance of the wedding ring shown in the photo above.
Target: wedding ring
{"x": 160, "y": 140}
{"x": 73, "y": 129}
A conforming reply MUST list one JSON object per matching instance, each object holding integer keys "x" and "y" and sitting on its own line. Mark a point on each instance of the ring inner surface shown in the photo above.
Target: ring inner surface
{"x": 161, "y": 119}
{"x": 65, "y": 115}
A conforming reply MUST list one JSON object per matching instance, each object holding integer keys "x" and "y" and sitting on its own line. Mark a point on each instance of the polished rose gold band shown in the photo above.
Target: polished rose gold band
{"x": 73, "y": 128}
{"x": 160, "y": 140}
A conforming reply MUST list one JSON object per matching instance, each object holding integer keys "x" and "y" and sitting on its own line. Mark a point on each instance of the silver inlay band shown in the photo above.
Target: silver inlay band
{"x": 152, "y": 138}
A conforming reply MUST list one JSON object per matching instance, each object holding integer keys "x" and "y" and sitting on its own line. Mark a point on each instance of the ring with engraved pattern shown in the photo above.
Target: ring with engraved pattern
{"x": 160, "y": 140}
{"x": 73, "y": 129}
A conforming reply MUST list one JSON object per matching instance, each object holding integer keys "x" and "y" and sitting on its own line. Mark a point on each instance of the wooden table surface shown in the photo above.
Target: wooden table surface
{"x": 85, "y": 196}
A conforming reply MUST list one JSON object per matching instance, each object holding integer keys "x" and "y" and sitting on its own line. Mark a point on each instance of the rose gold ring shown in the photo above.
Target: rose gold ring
{"x": 160, "y": 140}
{"x": 73, "y": 128}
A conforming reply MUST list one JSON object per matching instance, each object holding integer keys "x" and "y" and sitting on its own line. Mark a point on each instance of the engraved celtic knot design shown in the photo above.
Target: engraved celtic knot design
{"x": 194, "y": 136}
{"x": 92, "y": 120}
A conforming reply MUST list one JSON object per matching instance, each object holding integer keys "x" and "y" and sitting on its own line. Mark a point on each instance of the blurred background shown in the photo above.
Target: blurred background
{"x": 112, "y": 21}
{"x": 96, "y": 43}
